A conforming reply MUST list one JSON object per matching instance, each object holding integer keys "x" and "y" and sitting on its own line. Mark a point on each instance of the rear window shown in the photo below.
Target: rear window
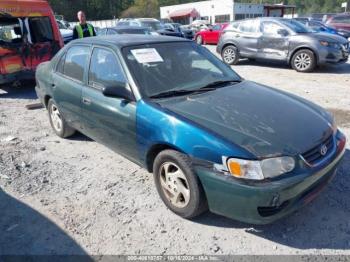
{"x": 40, "y": 29}
{"x": 76, "y": 59}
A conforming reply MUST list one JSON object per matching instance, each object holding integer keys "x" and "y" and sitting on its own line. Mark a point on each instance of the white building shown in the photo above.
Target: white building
{"x": 218, "y": 11}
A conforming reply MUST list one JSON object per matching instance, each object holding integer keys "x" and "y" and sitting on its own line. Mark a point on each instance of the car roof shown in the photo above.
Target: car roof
{"x": 121, "y": 41}
{"x": 128, "y": 27}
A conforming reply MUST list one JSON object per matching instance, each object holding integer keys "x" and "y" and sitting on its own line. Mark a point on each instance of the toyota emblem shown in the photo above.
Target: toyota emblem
{"x": 324, "y": 150}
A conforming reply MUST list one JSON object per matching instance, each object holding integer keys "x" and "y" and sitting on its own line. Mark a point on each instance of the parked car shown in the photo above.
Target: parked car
{"x": 211, "y": 35}
{"x": 66, "y": 33}
{"x": 26, "y": 40}
{"x": 170, "y": 30}
{"x": 341, "y": 23}
{"x": 185, "y": 32}
{"x": 124, "y": 30}
{"x": 154, "y": 25}
{"x": 321, "y": 27}
{"x": 283, "y": 40}
{"x": 212, "y": 139}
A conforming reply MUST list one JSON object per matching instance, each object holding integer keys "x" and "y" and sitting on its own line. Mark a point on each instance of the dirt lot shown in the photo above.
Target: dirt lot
{"x": 76, "y": 197}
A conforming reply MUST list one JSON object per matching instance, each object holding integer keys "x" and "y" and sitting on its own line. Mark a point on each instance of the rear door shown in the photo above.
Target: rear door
{"x": 68, "y": 82}
{"x": 248, "y": 36}
{"x": 109, "y": 120}
{"x": 272, "y": 44}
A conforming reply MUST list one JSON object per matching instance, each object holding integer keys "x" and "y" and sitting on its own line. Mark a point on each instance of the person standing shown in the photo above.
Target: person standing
{"x": 83, "y": 29}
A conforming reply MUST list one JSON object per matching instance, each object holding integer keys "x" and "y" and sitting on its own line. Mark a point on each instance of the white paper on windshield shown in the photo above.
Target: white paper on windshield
{"x": 147, "y": 55}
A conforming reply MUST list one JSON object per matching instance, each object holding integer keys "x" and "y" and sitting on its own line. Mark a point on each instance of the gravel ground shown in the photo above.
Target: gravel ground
{"x": 75, "y": 196}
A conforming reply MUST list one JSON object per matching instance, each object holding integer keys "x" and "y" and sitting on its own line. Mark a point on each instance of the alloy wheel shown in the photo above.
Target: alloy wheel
{"x": 303, "y": 61}
{"x": 229, "y": 55}
{"x": 56, "y": 118}
{"x": 199, "y": 40}
{"x": 174, "y": 185}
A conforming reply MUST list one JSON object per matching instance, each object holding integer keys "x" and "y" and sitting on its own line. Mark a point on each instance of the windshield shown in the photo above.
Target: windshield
{"x": 296, "y": 26}
{"x": 153, "y": 25}
{"x": 341, "y": 19}
{"x": 177, "y": 66}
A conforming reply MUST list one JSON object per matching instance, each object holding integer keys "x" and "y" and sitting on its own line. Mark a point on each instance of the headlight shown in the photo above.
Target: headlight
{"x": 259, "y": 170}
{"x": 330, "y": 44}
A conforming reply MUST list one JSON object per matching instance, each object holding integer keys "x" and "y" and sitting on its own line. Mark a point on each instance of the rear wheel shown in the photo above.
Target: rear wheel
{"x": 230, "y": 55}
{"x": 58, "y": 124}
{"x": 199, "y": 40}
{"x": 304, "y": 61}
{"x": 178, "y": 185}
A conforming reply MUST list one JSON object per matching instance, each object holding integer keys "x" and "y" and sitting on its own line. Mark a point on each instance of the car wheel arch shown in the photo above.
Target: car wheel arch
{"x": 230, "y": 44}
{"x": 303, "y": 48}
{"x": 155, "y": 150}
{"x": 46, "y": 100}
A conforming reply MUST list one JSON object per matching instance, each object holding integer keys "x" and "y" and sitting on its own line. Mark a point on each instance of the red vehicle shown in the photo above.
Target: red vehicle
{"x": 212, "y": 35}
{"x": 29, "y": 35}
{"x": 340, "y": 22}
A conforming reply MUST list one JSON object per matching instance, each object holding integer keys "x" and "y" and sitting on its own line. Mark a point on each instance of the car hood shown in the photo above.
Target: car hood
{"x": 329, "y": 37}
{"x": 262, "y": 120}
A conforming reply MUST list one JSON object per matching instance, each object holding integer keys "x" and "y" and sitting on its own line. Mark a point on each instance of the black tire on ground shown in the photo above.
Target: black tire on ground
{"x": 304, "y": 61}
{"x": 230, "y": 55}
{"x": 197, "y": 203}
{"x": 65, "y": 130}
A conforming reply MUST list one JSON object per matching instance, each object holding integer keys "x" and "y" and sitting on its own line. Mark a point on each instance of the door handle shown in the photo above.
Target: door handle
{"x": 238, "y": 35}
{"x": 86, "y": 101}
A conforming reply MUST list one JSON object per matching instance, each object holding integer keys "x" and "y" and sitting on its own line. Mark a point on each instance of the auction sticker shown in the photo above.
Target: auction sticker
{"x": 147, "y": 55}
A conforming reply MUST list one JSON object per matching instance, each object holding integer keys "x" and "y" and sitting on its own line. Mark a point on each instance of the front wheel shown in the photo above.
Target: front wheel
{"x": 304, "y": 61}
{"x": 199, "y": 40}
{"x": 58, "y": 124}
{"x": 178, "y": 185}
{"x": 230, "y": 55}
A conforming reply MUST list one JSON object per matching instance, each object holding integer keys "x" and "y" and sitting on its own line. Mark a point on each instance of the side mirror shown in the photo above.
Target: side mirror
{"x": 119, "y": 90}
{"x": 282, "y": 32}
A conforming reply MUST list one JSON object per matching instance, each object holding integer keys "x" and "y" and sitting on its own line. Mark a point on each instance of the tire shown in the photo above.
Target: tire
{"x": 304, "y": 61}
{"x": 230, "y": 55}
{"x": 199, "y": 40}
{"x": 58, "y": 124}
{"x": 178, "y": 185}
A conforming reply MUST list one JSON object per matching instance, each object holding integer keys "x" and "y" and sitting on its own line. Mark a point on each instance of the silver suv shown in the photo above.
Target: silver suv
{"x": 281, "y": 39}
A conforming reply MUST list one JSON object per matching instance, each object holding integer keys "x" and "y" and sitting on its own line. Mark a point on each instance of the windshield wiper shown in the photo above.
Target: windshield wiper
{"x": 217, "y": 84}
{"x": 172, "y": 93}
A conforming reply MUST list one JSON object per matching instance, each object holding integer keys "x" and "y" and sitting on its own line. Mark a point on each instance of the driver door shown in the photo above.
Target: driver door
{"x": 273, "y": 44}
{"x": 108, "y": 120}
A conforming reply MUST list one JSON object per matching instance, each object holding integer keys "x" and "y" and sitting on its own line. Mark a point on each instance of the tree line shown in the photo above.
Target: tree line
{"x": 108, "y": 9}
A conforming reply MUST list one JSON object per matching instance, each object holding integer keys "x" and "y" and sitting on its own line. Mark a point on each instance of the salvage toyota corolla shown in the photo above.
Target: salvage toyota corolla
{"x": 212, "y": 139}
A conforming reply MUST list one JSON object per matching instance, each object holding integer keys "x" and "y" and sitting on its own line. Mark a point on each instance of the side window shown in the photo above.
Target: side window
{"x": 75, "y": 62}
{"x": 105, "y": 69}
{"x": 103, "y": 31}
{"x": 216, "y": 27}
{"x": 111, "y": 32}
{"x": 40, "y": 29}
{"x": 271, "y": 28}
{"x": 60, "y": 65}
{"x": 249, "y": 26}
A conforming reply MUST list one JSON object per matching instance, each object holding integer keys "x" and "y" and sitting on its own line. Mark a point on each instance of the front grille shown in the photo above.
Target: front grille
{"x": 271, "y": 211}
{"x": 315, "y": 155}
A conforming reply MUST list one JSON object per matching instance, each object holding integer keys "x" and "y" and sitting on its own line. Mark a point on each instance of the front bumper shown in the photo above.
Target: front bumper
{"x": 265, "y": 202}
{"x": 333, "y": 55}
